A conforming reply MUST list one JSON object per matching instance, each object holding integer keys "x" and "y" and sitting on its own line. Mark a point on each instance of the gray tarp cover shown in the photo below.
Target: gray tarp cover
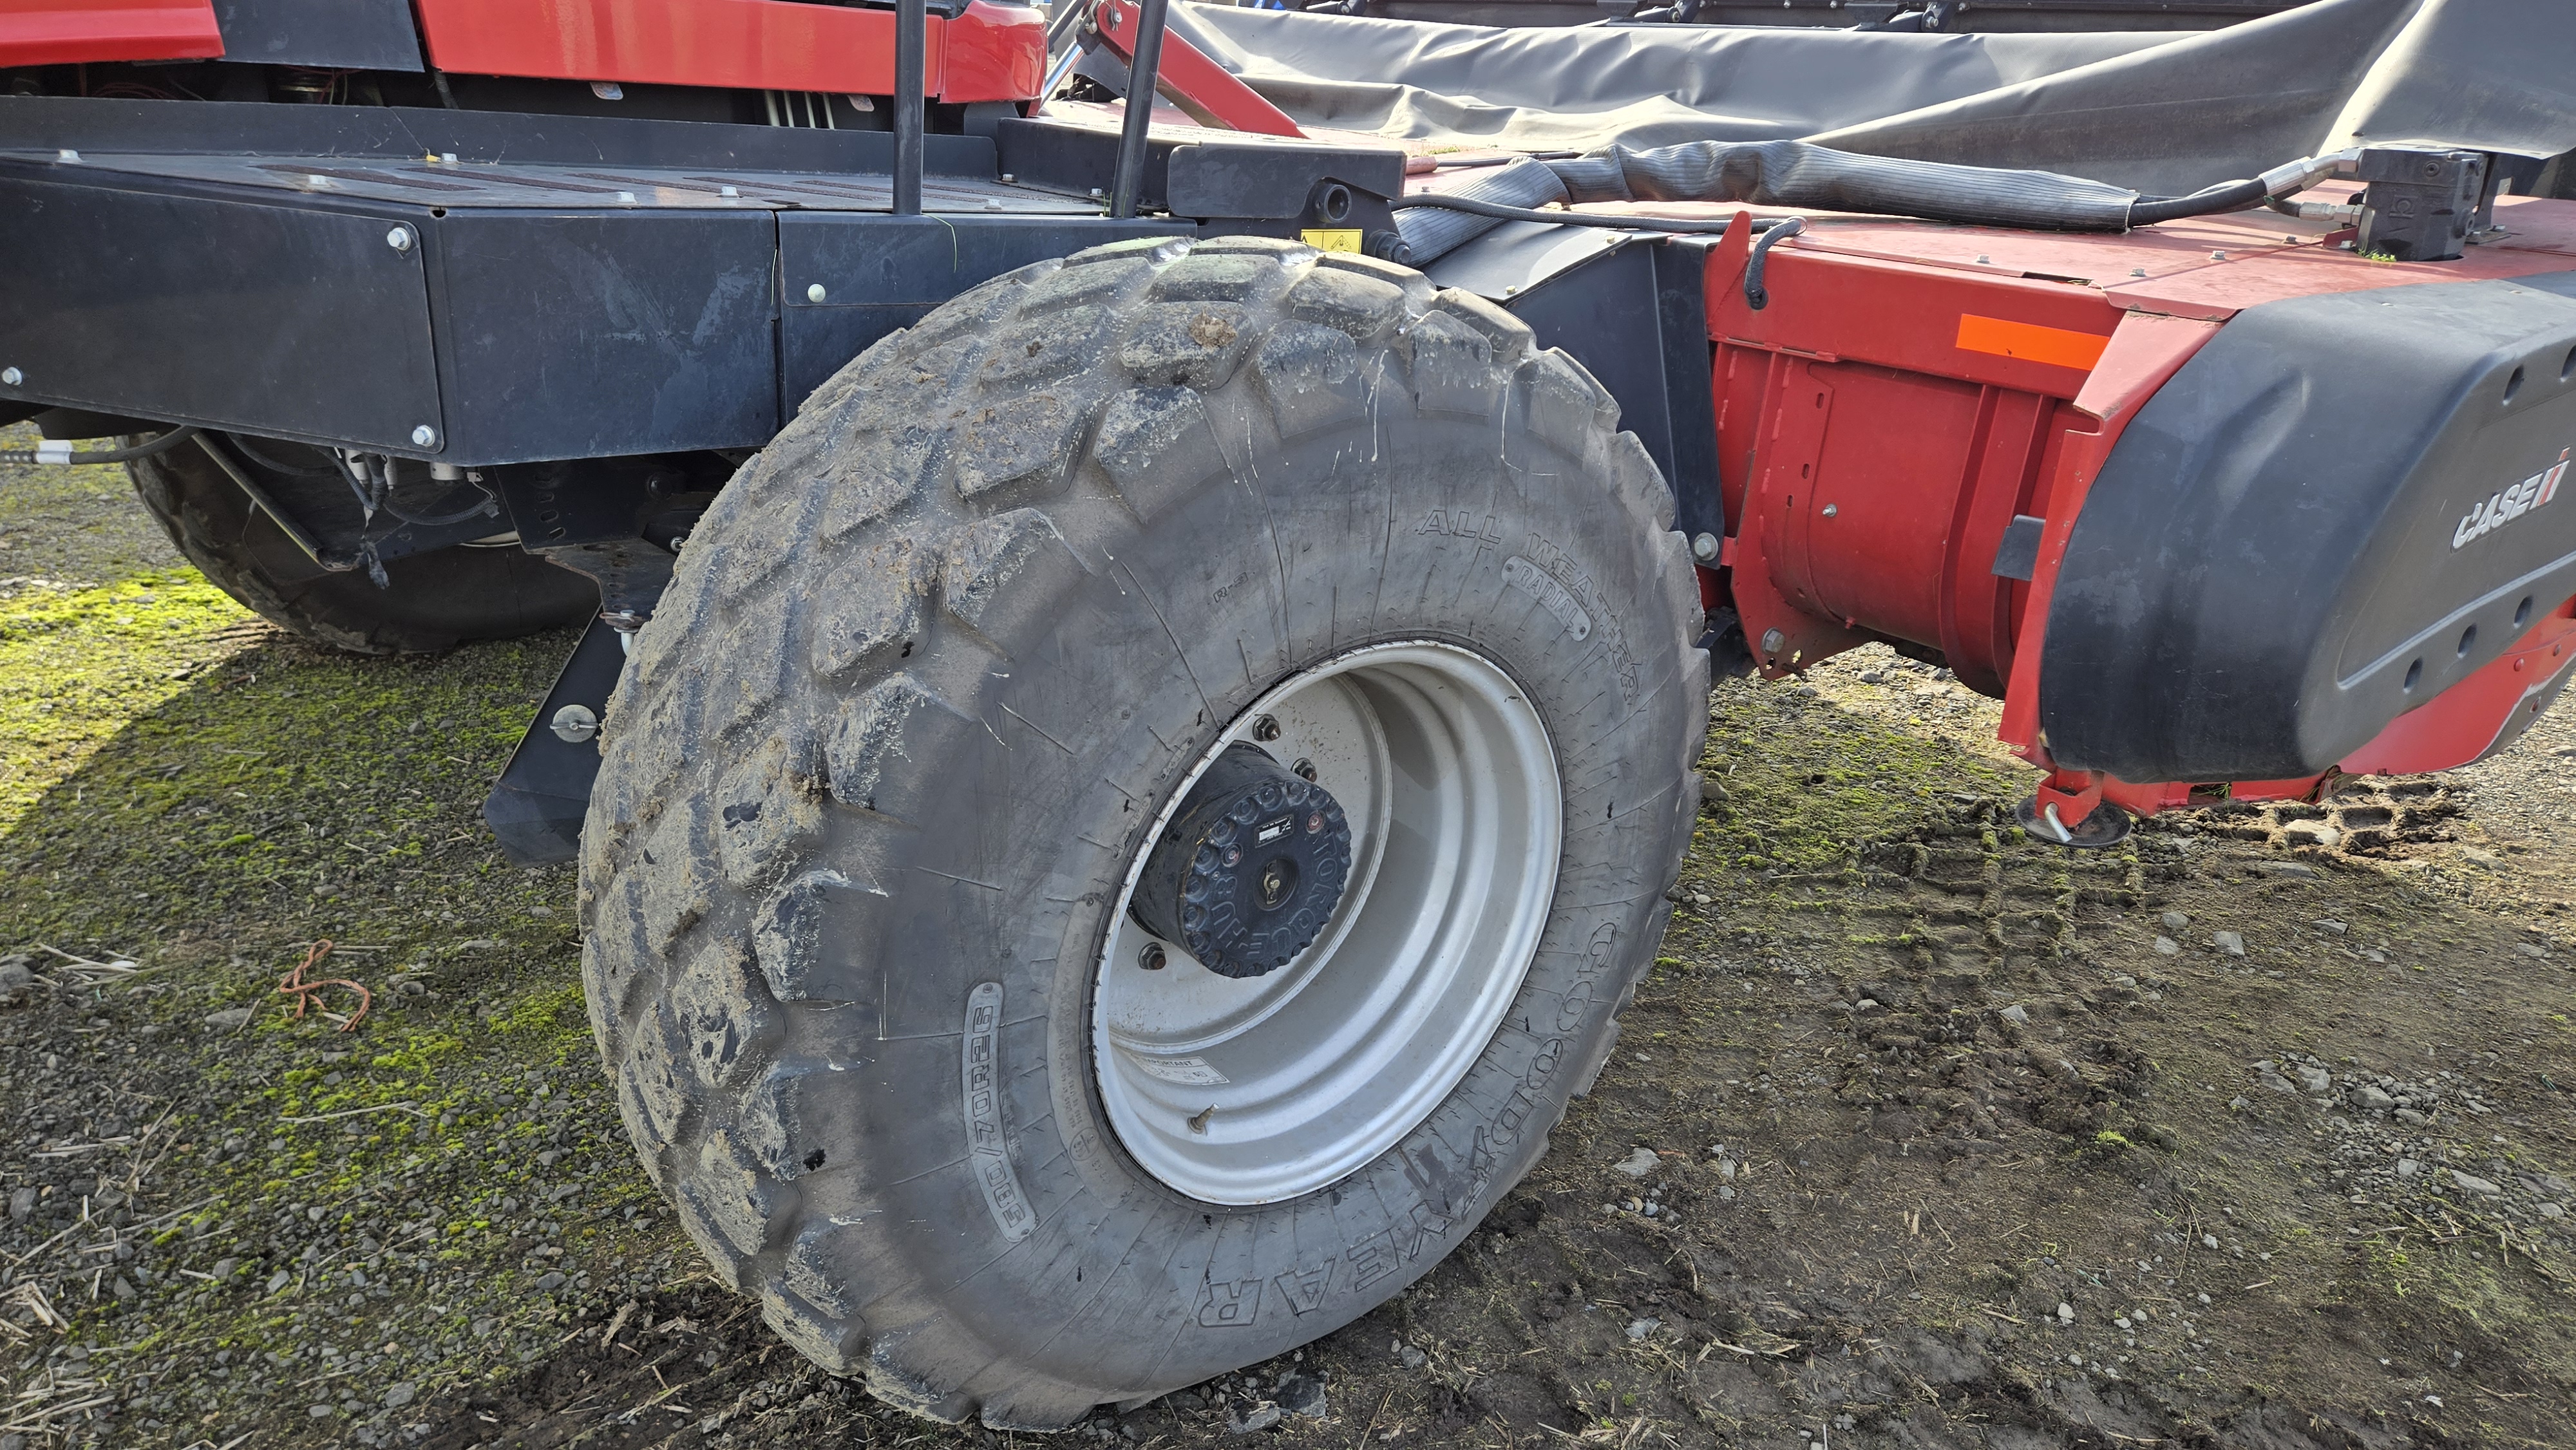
{"x": 2151, "y": 111}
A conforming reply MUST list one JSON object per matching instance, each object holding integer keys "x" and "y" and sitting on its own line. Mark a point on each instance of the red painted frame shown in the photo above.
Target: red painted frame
{"x": 987, "y": 53}
{"x": 1910, "y": 389}
{"x": 68, "y": 32}
{"x": 1207, "y": 92}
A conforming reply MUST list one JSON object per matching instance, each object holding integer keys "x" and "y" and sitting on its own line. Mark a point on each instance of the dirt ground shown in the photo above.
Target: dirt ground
{"x": 2258, "y": 1131}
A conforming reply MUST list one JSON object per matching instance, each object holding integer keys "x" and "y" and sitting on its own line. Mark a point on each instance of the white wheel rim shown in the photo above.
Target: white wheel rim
{"x": 1255, "y": 1090}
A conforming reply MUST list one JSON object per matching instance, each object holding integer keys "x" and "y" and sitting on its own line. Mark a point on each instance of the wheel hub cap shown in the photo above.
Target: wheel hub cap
{"x": 1431, "y": 877}
{"x": 1250, "y": 870}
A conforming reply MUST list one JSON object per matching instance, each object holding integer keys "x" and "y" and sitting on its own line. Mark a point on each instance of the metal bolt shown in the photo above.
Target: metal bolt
{"x": 1984, "y": 260}
{"x": 1704, "y": 548}
{"x": 2137, "y": 271}
{"x": 424, "y": 436}
{"x": 1265, "y": 728}
{"x": 2218, "y": 256}
{"x": 815, "y": 293}
{"x": 1772, "y": 639}
{"x": 12, "y": 377}
{"x": 1008, "y": 178}
{"x": 574, "y": 724}
{"x": 1832, "y": 509}
{"x": 1151, "y": 957}
{"x": 1305, "y": 769}
{"x": 399, "y": 239}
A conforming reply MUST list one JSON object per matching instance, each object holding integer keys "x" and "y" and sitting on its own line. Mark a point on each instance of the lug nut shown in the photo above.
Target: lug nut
{"x": 1151, "y": 957}
{"x": 1305, "y": 769}
{"x": 1266, "y": 728}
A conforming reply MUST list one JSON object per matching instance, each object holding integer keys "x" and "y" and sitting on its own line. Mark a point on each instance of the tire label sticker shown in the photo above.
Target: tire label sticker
{"x": 1187, "y": 1071}
{"x": 988, "y": 1154}
{"x": 1551, "y": 595}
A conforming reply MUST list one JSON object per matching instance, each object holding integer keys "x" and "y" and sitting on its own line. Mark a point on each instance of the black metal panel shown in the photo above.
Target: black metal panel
{"x": 49, "y": 123}
{"x": 880, "y": 273}
{"x": 1271, "y": 180}
{"x": 351, "y": 34}
{"x": 537, "y": 806}
{"x": 1077, "y": 159}
{"x": 575, "y": 335}
{"x": 1253, "y": 178}
{"x": 1611, "y": 314}
{"x": 1681, "y": 305}
{"x": 284, "y": 320}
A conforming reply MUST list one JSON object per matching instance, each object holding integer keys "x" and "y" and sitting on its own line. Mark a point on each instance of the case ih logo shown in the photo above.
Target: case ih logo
{"x": 2511, "y": 504}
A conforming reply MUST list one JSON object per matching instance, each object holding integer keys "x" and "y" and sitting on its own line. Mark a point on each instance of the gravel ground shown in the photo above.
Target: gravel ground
{"x": 2255, "y": 1132}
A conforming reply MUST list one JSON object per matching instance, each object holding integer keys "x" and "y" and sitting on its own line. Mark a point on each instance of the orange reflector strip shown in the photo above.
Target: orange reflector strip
{"x": 2062, "y": 346}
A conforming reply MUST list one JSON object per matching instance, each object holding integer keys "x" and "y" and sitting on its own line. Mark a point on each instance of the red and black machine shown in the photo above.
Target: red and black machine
{"x": 1146, "y": 679}
{"x": 1920, "y": 439}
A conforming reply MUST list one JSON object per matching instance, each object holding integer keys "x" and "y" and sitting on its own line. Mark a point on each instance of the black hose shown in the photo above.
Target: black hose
{"x": 2226, "y": 196}
{"x": 1500, "y": 212}
{"x": 162, "y": 444}
{"x": 1756, "y": 296}
{"x": 273, "y": 466}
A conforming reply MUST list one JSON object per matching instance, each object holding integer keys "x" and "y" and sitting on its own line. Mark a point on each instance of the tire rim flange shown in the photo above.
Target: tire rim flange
{"x": 1256, "y": 1090}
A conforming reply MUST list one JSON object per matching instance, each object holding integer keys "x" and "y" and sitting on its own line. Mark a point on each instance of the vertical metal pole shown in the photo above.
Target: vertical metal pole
{"x": 1144, "y": 70}
{"x": 911, "y": 46}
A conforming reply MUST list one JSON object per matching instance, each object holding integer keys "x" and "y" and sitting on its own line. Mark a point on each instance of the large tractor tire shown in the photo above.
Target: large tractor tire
{"x": 433, "y": 601}
{"x": 1135, "y": 815}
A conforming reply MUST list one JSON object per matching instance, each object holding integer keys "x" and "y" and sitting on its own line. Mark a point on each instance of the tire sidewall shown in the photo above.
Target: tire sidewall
{"x": 1427, "y": 524}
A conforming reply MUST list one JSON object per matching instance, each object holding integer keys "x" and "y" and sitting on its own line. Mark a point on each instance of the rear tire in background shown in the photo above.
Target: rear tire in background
{"x": 935, "y": 674}
{"x": 435, "y": 600}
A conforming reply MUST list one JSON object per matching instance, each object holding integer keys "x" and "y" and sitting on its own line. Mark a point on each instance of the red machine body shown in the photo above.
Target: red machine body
{"x": 985, "y": 52}
{"x": 68, "y": 32}
{"x": 1911, "y": 390}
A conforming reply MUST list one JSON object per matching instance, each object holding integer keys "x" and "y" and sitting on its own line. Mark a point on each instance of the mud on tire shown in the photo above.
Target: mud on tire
{"x": 928, "y": 670}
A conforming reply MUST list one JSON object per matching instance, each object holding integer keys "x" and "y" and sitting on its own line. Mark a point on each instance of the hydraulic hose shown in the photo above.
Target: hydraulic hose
{"x": 61, "y": 450}
{"x": 1712, "y": 226}
{"x": 1799, "y": 174}
{"x": 2146, "y": 211}
{"x": 1757, "y": 296}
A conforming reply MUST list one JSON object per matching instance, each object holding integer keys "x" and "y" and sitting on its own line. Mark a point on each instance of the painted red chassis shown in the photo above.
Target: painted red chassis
{"x": 986, "y": 53}
{"x": 1911, "y": 388}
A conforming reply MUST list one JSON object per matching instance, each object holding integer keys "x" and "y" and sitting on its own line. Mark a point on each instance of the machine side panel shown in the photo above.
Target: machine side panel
{"x": 780, "y": 45}
{"x": 335, "y": 34}
{"x": 880, "y": 273}
{"x": 67, "y": 32}
{"x": 2339, "y": 508}
{"x": 583, "y": 334}
{"x": 282, "y": 320}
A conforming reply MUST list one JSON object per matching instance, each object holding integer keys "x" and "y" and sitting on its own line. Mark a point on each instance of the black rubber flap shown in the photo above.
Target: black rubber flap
{"x": 2341, "y": 506}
